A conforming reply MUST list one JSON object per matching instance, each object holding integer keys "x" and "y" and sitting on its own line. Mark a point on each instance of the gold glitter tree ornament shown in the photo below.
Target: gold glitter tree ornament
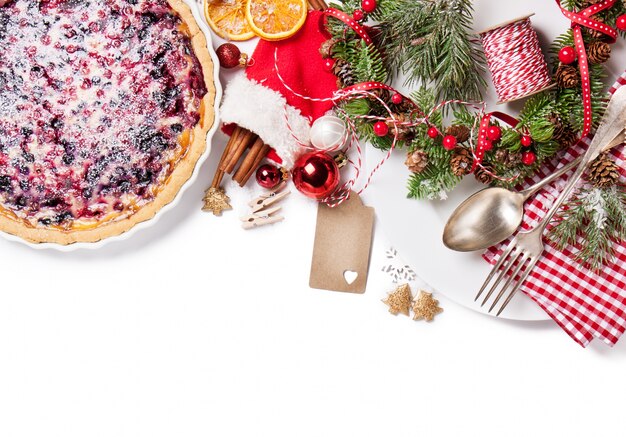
{"x": 399, "y": 300}
{"x": 216, "y": 201}
{"x": 425, "y": 307}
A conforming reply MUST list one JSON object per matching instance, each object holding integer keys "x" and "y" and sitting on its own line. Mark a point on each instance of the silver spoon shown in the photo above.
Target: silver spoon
{"x": 494, "y": 214}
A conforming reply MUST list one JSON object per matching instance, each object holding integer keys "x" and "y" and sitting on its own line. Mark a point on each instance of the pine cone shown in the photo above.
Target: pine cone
{"x": 405, "y": 133}
{"x": 568, "y": 138}
{"x": 502, "y": 156}
{"x": 416, "y": 161}
{"x": 598, "y": 52}
{"x": 567, "y": 76}
{"x": 603, "y": 171}
{"x": 344, "y": 73}
{"x": 514, "y": 159}
{"x": 327, "y": 47}
{"x": 563, "y": 132}
{"x": 405, "y": 107}
{"x": 461, "y": 161}
{"x": 592, "y": 32}
{"x": 556, "y": 120}
{"x": 381, "y": 93}
{"x": 461, "y": 133}
{"x": 484, "y": 174}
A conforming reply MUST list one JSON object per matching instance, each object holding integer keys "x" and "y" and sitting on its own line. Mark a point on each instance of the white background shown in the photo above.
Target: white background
{"x": 195, "y": 327}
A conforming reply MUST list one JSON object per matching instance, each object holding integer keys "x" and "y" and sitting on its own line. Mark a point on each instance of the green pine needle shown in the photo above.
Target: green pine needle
{"x": 590, "y": 223}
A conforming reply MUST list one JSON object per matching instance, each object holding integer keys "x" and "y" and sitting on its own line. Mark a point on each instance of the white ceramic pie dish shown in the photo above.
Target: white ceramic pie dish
{"x": 198, "y": 15}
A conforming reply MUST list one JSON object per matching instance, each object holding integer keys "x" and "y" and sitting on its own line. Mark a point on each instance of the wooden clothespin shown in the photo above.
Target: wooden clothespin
{"x": 261, "y": 213}
{"x": 274, "y": 196}
{"x": 262, "y": 218}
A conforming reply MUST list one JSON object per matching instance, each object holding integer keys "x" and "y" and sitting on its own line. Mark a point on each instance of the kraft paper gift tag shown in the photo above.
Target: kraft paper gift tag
{"x": 343, "y": 240}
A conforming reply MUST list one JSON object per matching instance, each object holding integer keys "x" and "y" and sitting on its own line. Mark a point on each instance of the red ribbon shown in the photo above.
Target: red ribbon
{"x": 348, "y": 20}
{"x": 482, "y": 145}
{"x": 368, "y": 86}
{"x": 579, "y": 20}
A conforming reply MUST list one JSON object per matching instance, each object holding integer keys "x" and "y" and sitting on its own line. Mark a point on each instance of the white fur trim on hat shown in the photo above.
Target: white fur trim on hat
{"x": 262, "y": 110}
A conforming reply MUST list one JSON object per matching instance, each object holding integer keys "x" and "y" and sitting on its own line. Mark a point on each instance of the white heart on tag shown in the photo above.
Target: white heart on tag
{"x": 350, "y": 276}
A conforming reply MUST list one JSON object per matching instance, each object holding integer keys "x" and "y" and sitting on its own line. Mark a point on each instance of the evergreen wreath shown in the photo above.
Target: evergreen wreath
{"x": 431, "y": 42}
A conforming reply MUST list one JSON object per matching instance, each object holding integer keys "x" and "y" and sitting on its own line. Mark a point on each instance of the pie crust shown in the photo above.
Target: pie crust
{"x": 168, "y": 190}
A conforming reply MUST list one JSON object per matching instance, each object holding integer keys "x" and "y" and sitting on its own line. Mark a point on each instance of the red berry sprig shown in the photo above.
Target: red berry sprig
{"x": 529, "y": 157}
{"x": 526, "y": 141}
{"x": 494, "y": 133}
{"x": 433, "y": 132}
{"x": 368, "y": 5}
{"x": 358, "y": 15}
{"x": 449, "y": 142}
{"x": 486, "y": 145}
{"x": 567, "y": 55}
{"x": 381, "y": 129}
{"x": 620, "y": 23}
{"x": 397, "y": 99}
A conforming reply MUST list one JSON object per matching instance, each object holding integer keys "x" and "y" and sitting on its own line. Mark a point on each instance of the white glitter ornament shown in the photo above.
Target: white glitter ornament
{"x": 329, "y": 133}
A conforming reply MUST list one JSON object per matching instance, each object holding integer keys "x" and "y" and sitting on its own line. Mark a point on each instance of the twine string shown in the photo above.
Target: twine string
{"x": 515, "y": 60}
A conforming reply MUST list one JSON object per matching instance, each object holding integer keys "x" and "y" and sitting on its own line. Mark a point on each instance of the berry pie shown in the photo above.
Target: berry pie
{"x": 104, "y": 110}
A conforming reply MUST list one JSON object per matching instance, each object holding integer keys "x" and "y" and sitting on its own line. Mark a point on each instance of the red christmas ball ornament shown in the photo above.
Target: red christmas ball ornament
{"x": 449, "y": 142}
{"x": 529, "y": 158}
{"x": 316, "y": 175}
{"x": 526, "y": 141}
{"x": 268, "y": 176}
{"x": 397, "y": 98}
{"x": 567, "y": 55}
{"x": 368, "y": 5}
{"x": 381, "y": 129}
{"x": 329, "y": 64}
{"x": 620, "y": 23}
{"x": 358, "y": 15}
{"x": 230, "y": 56}
{"x": 494, "y": 133}
{"x": 433, "y": 132}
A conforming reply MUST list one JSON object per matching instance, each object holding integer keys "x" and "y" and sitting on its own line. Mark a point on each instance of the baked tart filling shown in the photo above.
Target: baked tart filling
{"x": 98, "y": 104}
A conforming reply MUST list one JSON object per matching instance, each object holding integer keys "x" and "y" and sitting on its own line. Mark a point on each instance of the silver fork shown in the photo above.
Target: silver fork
{"x": 526, "y": 248}
{"x": 523, "y": 252}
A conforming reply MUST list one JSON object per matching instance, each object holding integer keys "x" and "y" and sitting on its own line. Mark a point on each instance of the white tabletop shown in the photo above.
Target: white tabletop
{"x": 195, "y": 327}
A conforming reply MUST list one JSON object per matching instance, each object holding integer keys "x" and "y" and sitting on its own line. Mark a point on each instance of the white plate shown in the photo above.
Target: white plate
{"x": 199, "y": 16}
{"x": 415, "y": 227}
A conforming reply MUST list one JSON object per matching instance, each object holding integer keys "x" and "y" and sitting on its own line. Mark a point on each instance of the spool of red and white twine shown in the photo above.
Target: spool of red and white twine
{"x": 515, "y": 60}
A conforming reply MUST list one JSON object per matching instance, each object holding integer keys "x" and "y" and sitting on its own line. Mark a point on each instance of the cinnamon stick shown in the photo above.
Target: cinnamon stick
{"x": 219, "y": 173}
{"x": 318, "y": 5}
{"x": 238, "y": 150}
{"x": 259, "y": 157}
{"x": 248, "y": 161}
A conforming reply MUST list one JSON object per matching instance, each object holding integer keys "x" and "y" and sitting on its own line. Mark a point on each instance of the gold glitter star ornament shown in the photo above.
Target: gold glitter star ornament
{"x": 399, "y": 301}
{"x": 425, "y": 307}
{"x": 216, "y": 201}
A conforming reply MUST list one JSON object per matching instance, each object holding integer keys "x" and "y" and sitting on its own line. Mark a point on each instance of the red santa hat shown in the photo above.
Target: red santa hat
{"x": 260, "y": 102}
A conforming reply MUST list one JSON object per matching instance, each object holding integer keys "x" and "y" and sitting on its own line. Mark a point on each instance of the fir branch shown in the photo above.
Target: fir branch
{"x": 590, "y": 224}
{"x": 437, "y": 179}
{"x": 432, "y": 183}
{"x": 368, "y": 65}
{"x": 430, "y": 41}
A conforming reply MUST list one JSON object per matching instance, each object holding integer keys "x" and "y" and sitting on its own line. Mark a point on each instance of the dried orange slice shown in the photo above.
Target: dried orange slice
{"x": 228, "y": 19}
{"x": 276, "y": 19}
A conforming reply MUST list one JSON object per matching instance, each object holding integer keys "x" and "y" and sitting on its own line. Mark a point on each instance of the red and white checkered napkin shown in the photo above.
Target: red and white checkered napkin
{"x": 585, "y": 304}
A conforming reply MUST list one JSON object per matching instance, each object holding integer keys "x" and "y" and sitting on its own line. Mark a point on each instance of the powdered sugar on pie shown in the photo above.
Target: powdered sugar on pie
{"x": 98, "y": 101}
